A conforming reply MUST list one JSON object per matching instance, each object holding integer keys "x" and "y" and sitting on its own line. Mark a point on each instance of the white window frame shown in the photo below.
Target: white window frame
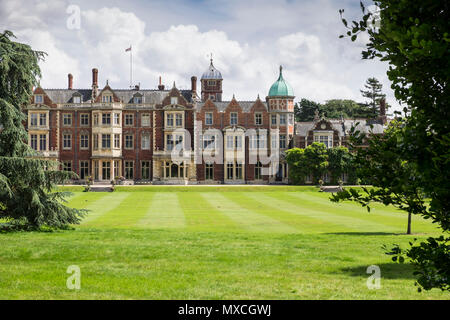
{"x": 127, "y": 117}
{"x": 67, "y": 119}
{"x": 86, "y": 140}
{"x": 38, "y": 99}
{"x": 145, "y": 120}
{"x": 116, "y": 119}
{"x": 67, "y": 137}
{"x": 145, "y": 141}
{"x": 127, "y": 140}
{"x": 258, "y": 118}
{"x": 209, "y": 118}
{"x": 234, "y": 122}
{"x": 84, "y": 116}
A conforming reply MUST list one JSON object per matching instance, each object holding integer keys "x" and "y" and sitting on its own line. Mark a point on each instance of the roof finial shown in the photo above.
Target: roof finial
{"x": 211, "y": 58}
{"x": 107, "y": 82}
{"x": 174, "y": 84}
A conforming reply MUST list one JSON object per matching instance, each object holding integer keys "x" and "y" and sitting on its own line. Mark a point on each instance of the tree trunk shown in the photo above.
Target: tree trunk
{"x": 409, "y": 223}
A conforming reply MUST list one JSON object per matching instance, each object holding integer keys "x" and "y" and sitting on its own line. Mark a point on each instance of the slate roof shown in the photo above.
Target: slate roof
{"x": 363, "y": 125}
{"x": 65, "y": 95}
{"x": 149, "y": 96}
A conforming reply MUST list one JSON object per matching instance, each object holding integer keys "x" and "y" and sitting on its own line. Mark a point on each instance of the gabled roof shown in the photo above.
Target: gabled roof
{"x": 221, "y": 106}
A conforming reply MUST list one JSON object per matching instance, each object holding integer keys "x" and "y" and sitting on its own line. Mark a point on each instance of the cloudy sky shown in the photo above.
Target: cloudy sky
{"x": 174, "y": 38}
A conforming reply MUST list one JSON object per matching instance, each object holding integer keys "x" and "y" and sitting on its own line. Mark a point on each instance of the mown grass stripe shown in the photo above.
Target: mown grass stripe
{"x": 163, "y": 211}
{"x": 82, "y": 200}
{"x": 202, "y": 216}
{"x": 354, "y": 222}
{"x": 264, "y": 204}
{"x": 377, "y": 209}
{"x": 102, "y": 206}
{"x": 128, "y": 213}
{"x": 249, "y": 219}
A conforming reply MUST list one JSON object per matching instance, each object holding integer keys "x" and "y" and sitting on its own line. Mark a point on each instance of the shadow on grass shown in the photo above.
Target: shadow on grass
{"x": 388, "y": 271}
{"x": 366, "y": 233}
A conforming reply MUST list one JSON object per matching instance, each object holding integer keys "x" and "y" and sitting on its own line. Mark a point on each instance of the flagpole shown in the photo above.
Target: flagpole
{"x": 131, "y": 67}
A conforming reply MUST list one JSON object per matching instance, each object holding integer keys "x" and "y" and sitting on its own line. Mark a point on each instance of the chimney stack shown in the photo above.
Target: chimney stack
{"x": 94, "y": 77}
{"x": 94, "y": 83}
{"x": 70, "y": 86}
{"x": 160, "y": 86}
{"x": 194, "y": 84}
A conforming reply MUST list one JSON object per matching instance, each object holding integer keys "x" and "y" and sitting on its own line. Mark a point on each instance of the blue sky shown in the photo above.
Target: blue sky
{"x": 248, "y": 39}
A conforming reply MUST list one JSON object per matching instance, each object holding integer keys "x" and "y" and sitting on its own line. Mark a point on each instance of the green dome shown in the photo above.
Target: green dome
{"x": 281, "y": 87}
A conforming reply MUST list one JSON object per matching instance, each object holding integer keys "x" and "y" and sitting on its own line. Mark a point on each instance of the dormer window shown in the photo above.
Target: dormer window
{"x": 174, "y": 100}
{"x": 106, "y": 98}
{"x": 76, "y": 99}
{"x": 38, "y": 98}
{"x": 137, "y": 100}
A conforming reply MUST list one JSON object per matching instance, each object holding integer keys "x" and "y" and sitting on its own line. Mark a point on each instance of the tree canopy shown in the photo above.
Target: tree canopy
{"x": 413, "y": 37}
{"x": 306, "y": 109}
{"x": 27, "y": 196}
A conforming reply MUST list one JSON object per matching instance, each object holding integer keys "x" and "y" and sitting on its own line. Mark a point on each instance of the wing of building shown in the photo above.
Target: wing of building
{"x": 172, "y": 136}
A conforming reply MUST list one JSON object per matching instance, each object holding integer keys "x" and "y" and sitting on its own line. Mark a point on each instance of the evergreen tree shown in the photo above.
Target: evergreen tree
{"x": 27, "y": 196}
{"x": 305, "y": 109}
{"x": 374, "y": 93}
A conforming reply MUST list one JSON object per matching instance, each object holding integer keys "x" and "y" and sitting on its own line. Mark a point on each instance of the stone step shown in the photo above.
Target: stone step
{"x": 102, "y": 188}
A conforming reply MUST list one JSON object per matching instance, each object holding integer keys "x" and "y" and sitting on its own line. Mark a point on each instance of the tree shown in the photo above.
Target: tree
{"x": 344, "y": 108}
{"x": 305, "y": 110}
{"x": 340, "y": 161}
{"x": 311, "y": 160}
{"x": 27, "y": 194}
{"x": 387, "y": 170}
{"x": 374, "y": 93}
{"x": 413, "y": 37}
{"x": 296, "y": 160}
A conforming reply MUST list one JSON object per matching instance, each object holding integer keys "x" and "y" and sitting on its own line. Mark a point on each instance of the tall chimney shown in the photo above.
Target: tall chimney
{"x": 194, "y": 84}
{"x": 94, "y": 77}
{"x": 94, "y": 83}
{"x": 160, "y": 86}
{"x": 70, "y": 76}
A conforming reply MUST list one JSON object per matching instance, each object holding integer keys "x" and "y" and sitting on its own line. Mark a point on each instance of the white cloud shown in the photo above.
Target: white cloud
{"x": 249, "y": 41}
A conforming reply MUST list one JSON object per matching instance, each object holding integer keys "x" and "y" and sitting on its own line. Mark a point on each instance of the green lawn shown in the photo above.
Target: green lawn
{"x": 213, "y": 243}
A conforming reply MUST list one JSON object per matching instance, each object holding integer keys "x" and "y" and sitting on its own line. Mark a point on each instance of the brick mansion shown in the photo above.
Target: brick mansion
{"x": 132, "y": 133}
